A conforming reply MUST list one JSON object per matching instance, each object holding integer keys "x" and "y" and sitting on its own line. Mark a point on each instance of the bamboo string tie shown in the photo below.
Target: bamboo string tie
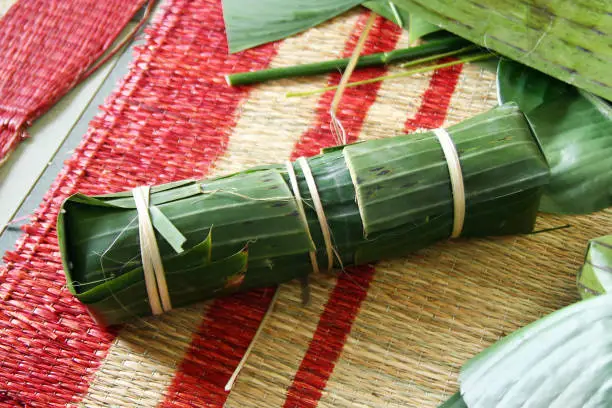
{"x": 247, "y": 353}
{"x": 336, "y": 126}
{"x": 300, "y": 207}
{"x": 155, "y": 276}
{"x": 456, "y": 177}
{"x": 312, "y": 187}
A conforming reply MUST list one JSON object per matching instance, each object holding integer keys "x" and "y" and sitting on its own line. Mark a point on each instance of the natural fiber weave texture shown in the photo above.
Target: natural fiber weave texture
{"x": 45, "y": 48}
{"x": 393, "y": 334}
{"x": 5, "y": 5}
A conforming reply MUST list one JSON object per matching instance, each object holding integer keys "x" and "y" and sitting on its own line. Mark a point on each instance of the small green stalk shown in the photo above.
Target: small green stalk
{"x": 428, "y": 49}
{"x": 477, "y": 57}
{"x": 437, "y": 57}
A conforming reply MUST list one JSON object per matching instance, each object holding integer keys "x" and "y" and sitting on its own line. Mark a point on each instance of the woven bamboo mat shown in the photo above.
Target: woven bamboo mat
{"x": 393, "y": 334}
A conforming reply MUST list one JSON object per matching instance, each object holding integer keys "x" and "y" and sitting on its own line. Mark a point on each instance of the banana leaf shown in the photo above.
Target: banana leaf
{"x": 574, "y": 129}
{"x": 271, "y": 20}
{"x": 563, "y": 359}
{"x": 419, "y": 27}
{"x": 569, "y": 40}
{"x": 456, "y": 401}
{"x": 382, "y": 198}
{"x": 527, "y": 87}
{"x": 390, "y": 11}
{"x": 595, "y": 276}
{"x": 416, "y": 26}
{"x": 249, "y": 24}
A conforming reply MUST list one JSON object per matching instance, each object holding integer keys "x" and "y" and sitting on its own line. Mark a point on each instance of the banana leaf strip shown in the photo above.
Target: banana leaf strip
{"x": 574, "y": 129}
{"x": 595, "y": 276}
{"x": 563, "y": 359}
{"x": 382, "y": 198}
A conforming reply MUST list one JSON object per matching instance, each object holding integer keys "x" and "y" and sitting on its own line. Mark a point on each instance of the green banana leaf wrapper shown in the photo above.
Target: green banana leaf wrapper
{"x": 382, "y": 198}
{"x": 595, "y": 276}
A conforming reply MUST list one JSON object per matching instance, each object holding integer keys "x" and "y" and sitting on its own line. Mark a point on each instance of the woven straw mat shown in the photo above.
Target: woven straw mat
{"x": 46, "y": 47}
{"x": 391, "y": 335}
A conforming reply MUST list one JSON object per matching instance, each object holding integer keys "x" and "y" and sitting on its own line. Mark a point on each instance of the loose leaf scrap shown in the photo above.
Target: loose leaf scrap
{"x": 564, "y": 359}
{"x": 250, "y": 25}
{"x": 574, "y": 129}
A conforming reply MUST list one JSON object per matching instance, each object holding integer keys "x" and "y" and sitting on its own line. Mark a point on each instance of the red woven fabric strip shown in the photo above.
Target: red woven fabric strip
{"x": 203, "y": 372}
{"x": 45, "y": 46}
{"x": 329, "y": 338}
{"x": 169, "y": 119}
{"x": 436, "y": 99}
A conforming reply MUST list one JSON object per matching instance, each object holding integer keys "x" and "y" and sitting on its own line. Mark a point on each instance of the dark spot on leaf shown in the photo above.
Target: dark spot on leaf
{"x": 375, "y": 169}
{"x": 382, "y": 173}
{"x": 478, "y": 5}
{"x": 569, "y": 70}
{"x": 275, "y": 187}
{"x": 279, "y": 204}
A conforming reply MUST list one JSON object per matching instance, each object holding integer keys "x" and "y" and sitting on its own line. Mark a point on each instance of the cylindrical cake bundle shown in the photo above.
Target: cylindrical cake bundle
{"x": 349, "y": 205}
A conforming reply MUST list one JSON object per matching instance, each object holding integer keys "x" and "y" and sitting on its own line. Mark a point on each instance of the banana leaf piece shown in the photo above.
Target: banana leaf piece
{"x": 574, "y": 129}
{"x": 456, "y": 401}
{"x": 527, "y": 87}
{"x": 382, "y": 198}
{"x": 390, "y": 11}
{"x": 563, "y": 359}
{"x": 419, "y": 28}
{"x": 416, "y": 26}
{"x": 575, "y": 133}
{"x": 595, "y": 276}
{"x": 569, "y": 40}
{"x": 249, "y": 24}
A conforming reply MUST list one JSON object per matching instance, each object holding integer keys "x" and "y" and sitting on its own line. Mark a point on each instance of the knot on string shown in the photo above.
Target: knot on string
{"x": 456, "y": 178}
{"x": 155, "y": 276}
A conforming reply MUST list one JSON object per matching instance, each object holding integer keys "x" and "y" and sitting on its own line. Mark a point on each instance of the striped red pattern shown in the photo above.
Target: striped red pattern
{"x": 216, "y": 349}
{"x": 45, "y": 48}
{"x": 327, "y": 343}
{"x": 436, "y": 99}
{"x": 153, "y": 129}
{"x": 161, "y": 125}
